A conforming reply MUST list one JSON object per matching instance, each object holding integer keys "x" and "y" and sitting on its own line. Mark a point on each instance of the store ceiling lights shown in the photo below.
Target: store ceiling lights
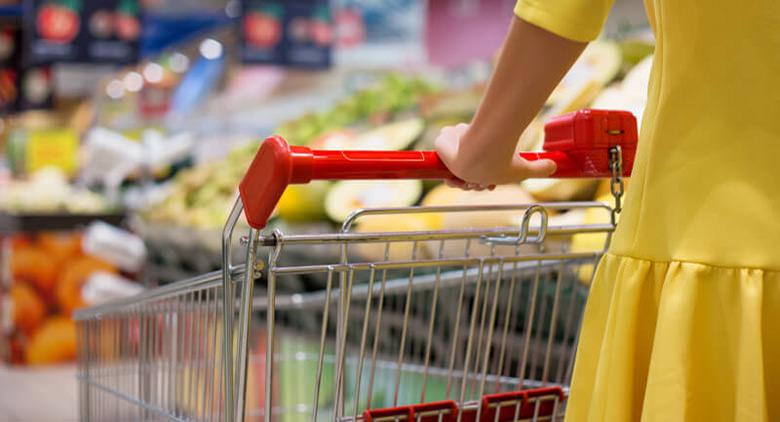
{"x": 115, "y": 89}
{"x": 153, "y": 73}
{"x": 211, "y": 49}
{"x": 179, "y": 63}
{"x": 133, "y": 81}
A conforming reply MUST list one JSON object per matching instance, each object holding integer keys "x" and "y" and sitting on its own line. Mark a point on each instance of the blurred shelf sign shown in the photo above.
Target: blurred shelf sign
{"x": 36, "y": 88}
{"x": 10, "y": 35}
{"x": 114, "y": 31}
{"x": 82, "y": 31}
{"x": 56, "y": 147}
{"x": 294, "y": 33}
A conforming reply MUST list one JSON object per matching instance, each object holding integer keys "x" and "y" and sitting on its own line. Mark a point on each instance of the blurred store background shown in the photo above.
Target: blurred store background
{"x": 126, "y": 125}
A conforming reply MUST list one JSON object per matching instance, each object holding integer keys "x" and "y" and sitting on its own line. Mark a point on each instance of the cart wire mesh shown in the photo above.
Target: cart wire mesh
{"x": 438, "y": 325}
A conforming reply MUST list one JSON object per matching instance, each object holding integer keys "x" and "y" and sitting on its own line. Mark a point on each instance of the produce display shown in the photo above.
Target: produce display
{"x": 392, "y": 95}
{"x": 48, "y": 274}
{"x": 402, "y": 112}
{"x": 376, "y": 117}
{"x": 48, "y": 191}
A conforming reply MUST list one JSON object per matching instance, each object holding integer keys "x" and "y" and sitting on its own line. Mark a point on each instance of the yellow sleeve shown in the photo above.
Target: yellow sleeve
{"x": 578, "y": 20}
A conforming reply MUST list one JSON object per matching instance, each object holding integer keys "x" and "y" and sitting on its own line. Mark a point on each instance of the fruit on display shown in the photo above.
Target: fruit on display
{"x": 33, "y": 265}
{"x": 391, "y": 95}
{"x": 598, "y": 65}
{"x": 550, "y": 190}
{"x": 302, "y": 203}
{"x": 335, "y": 139}
{"x": 396, "y": 251}
{"x": 53, "y": 342}
{"x": 72, "y": 278}
{"x": 26, "y": 308}
{"x": 48, "y": 273}
{"x": 393, "y": 136}
{"x": 444, "y": 195}
{"x": 350, "y": 195}
{"x": 60, "y": 246}
{"x": 48, "y": 191}
{"x": 501, "y": 195}
{"x": 58, "y": 21}
{"x": 630, "y": 93}
{"x": 201, "y": 196}
{"x": 634, "y": 50}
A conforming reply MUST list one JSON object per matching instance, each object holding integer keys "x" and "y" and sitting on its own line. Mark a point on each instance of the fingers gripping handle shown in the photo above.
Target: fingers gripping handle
{"x": 579, "y": 144}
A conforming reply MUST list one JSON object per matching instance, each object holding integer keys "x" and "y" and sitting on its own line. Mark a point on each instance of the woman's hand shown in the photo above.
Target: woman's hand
{"x": 530, "y": 65}
{"x": 478, "y": 167}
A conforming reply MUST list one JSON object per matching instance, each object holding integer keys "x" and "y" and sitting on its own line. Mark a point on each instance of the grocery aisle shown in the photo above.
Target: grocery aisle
{"x": 38, "y": 395}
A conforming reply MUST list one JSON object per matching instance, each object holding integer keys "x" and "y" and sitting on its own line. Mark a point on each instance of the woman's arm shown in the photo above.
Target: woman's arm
{"x": 531, "y": 63}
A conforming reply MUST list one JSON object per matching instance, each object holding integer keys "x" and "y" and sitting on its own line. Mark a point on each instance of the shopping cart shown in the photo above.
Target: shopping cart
{"x": 475, "y": 324}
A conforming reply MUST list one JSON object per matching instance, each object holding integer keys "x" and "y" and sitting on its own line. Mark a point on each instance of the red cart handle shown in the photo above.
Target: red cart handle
{"x": 578, "y": 142}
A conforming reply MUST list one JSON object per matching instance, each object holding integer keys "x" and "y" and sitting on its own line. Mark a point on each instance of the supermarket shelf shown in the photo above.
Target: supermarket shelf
{"x": 26, "y": 223}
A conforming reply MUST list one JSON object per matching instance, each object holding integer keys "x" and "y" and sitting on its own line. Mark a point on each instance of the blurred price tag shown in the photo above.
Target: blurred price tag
{"x": 52, "y": 148}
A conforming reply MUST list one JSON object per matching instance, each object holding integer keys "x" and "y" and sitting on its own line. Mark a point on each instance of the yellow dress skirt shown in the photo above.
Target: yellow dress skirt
{"x": 683, "y": 318}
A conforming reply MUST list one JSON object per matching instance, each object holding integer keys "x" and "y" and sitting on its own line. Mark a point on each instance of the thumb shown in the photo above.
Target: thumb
{"x": 536, "y": 169}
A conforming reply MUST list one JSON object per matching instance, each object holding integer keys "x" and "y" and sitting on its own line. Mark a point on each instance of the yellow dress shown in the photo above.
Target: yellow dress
{"x": 683, "y": 318}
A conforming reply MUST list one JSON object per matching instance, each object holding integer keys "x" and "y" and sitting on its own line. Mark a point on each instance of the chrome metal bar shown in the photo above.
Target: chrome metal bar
{"x": 270, "y": 326}
{"x": 363, "y": 336}
{"x": 529, "y": 326}
{"x": 244, "y": 316}
{"x": 456, "y": 335}
{"x": 228, "y": 299}
{"x": 431, "y": 324}
{"x": 469, "y": 342}
{"x": 427, "y": 235}
{"x": 489, "y": 342}
{"x": 432, "y": 263}
{"x": 553, "y": 325}
{"x": 407, "y": 306}
{"x": 505, "y": 331}
{"x": 421, "y": 282}
{"x": 318, "y": 381}
{"x": 172, "y": 290}
{"x": 374, "y": 349}
{"x": 341, "y": 345}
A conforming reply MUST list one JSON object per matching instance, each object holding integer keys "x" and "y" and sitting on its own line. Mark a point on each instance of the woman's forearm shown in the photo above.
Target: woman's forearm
{"x": 531, "y": 64}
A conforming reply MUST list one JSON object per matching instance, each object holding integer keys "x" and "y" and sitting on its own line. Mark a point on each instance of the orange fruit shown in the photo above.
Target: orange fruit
{"x": 54, "y": 342}
{"x": 74, "y": 274}
{"x": 20, "y": 241}
{"x": 60, "y": 246}
{"x": 27, "y": 307}
{"x": 35, "y": 266}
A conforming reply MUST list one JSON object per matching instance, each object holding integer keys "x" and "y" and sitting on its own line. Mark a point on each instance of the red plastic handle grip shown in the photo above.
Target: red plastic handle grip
{"x": 579, "y": 143}
{"x": 311, "y": 165}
